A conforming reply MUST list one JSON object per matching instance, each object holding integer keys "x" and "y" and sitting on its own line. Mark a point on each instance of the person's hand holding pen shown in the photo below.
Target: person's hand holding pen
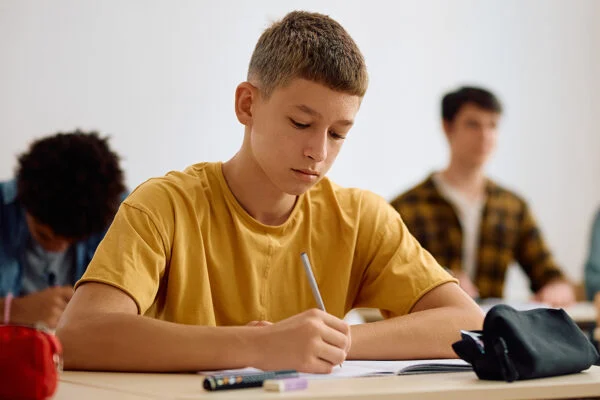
{"x": 45, "y": 306}
{"x": 312, "y": 341}
{"x": 314, "y": 287}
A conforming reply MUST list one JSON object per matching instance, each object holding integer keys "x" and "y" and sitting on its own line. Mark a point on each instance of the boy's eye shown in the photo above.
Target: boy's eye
{"x": 336, "y": 136}
{"x": 299, "y": 125}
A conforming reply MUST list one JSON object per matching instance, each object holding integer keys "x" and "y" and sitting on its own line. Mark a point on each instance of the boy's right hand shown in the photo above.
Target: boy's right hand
{"x": 45, "y": 306}
{"x": 312, "y": 341}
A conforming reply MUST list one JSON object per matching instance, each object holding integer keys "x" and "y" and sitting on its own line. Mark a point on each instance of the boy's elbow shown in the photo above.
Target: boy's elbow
{"x": 67, "y": 334}
{"x": 474, "y": 318}
{"x": 62, "y": 333}
{"x": 470, "y": 316}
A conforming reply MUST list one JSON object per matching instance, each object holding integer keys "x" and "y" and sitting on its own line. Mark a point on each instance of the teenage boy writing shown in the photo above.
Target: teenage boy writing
{"x": 194, "y": 256}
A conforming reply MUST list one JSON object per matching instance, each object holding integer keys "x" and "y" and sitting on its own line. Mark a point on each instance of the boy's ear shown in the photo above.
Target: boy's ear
{"x": 246, "y": 95}
{"x": 447, "y": 126}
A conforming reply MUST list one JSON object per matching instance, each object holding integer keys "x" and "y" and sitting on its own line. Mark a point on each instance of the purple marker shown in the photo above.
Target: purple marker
{"x": 285, "y": 385}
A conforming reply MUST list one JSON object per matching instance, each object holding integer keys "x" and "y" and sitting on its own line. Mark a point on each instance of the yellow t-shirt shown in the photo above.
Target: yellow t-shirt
{"x": 186, "y": 251}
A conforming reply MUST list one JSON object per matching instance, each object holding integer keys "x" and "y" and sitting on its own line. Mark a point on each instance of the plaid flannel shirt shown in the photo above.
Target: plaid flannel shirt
{"x": 508, "y": 233}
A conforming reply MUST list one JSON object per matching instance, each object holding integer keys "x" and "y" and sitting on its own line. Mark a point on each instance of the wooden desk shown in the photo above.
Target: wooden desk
{"x": 74, "y": 391}
{"x": 453, "y": 386}
{"x": 584, "y": 314}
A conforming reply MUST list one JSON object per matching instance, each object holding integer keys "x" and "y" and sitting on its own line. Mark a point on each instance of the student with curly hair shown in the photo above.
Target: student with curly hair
{"x": 53, "y": 215}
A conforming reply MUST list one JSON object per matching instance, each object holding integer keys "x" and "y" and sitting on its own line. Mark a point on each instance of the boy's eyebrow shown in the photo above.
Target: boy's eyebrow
{"x": 315, "y": 113}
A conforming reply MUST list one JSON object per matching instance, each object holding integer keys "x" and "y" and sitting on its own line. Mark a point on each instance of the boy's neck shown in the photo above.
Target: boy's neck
{"x": 255, "y": 192}
{"x": 468, "y": 180}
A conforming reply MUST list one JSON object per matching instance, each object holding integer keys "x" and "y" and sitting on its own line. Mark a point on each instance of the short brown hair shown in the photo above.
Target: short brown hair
{"x": 452, "y": 102}
{"x": 311, "y": 46}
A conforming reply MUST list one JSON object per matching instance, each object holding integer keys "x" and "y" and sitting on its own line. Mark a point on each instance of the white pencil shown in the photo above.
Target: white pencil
{"x": 313, "y": 282}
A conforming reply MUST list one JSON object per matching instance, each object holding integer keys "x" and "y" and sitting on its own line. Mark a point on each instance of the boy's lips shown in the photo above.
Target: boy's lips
{"x": 306, "y": 171}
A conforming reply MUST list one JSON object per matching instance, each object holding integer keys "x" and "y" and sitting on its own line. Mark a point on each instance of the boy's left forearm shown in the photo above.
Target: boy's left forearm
{"x": 419, "y": 335}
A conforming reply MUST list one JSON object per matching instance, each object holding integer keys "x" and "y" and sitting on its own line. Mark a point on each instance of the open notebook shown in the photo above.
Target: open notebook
{"x": 358, "y": 368}
{"x": 361, "y": 368}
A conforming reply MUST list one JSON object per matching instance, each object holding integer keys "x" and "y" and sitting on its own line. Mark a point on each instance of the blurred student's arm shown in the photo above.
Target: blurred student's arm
{"x": 547, "y": 280}
{"x": 45, "y": 306}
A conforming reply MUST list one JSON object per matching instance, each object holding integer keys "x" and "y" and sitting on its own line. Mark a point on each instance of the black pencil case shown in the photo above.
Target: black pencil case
{"x": 517, "y": 345}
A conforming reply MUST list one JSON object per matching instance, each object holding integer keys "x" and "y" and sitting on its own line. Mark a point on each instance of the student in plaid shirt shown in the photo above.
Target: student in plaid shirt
{"x": 471, "y": 225}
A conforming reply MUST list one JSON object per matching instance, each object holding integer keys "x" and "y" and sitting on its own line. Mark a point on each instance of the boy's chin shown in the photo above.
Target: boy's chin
{"x": 298, "y": 192}
{"x": 478, "y": 162}
{"x": 299, "y": 189}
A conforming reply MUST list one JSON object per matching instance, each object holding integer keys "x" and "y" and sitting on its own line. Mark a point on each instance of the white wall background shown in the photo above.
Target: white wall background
{"x": 159, "y": 76}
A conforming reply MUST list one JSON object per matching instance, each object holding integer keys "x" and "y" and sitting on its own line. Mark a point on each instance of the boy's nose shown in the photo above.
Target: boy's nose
{"x": 316, "y": 148}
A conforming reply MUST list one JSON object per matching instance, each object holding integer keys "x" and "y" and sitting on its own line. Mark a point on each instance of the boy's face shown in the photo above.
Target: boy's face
{"x": 296, "y": 134}
{"x": 45, "y": 237}
{"x": 472, "y": 134}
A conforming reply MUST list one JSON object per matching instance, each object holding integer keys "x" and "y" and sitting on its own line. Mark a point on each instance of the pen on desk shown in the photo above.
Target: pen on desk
{"x": 227, "y": 381}
{"x": 313, "y": 282}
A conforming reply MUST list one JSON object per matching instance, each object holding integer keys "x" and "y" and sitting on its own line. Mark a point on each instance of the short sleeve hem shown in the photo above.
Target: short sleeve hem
{"x": 110, "y": 283}
{"x": 429, "y": 289}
